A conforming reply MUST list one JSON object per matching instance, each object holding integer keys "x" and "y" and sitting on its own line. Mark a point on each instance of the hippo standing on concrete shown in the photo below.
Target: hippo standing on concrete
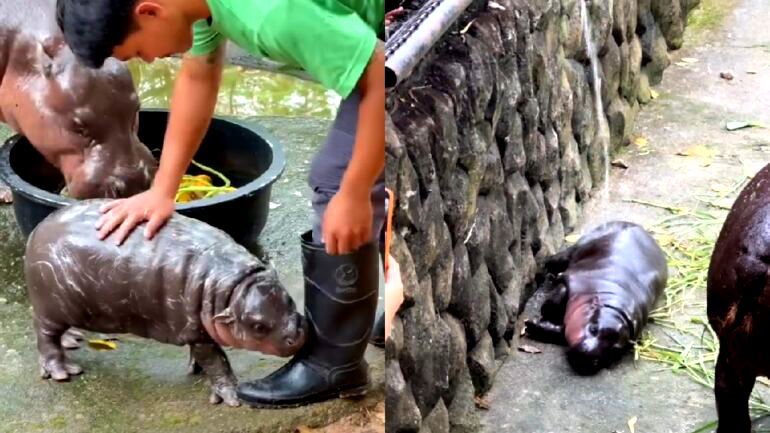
{"x": 192, "y": 284}
{"x": 83, "y": 121}
{"x": 738, "y": 303}
{"x": 601, "y": 292}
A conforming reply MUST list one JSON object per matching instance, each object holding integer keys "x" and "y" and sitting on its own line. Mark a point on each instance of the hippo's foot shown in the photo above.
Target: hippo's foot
{"x": 223, "y": 390}
{"x": 212, "y": 359}
{"x": 545, "y": 331}
{"x": 72, "y": 339}
{"x": 53, "y": 361}
{"x": 58, "y": 369}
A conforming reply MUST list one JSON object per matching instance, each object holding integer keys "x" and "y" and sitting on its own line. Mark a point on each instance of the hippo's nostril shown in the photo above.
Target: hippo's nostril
{"x": 290, "y": 342}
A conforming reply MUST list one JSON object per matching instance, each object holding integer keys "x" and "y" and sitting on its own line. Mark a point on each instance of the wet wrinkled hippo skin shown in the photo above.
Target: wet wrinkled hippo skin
{"x": 164, "y": 289}
{"x": 600, "y": 293}
{"x": 738, "y": 302}
{"x": 83, "y": 121}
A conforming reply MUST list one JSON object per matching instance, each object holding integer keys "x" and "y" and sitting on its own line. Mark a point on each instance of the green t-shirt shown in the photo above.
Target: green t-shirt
{"x": 332, "y": 40}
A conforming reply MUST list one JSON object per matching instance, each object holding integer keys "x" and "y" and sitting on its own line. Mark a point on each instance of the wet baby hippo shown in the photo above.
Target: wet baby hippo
{"x": 738, "y": 303}
{"x": 83, "y": 121}
{"x": 599, "y": 294}
{"x": 189, "y": 278}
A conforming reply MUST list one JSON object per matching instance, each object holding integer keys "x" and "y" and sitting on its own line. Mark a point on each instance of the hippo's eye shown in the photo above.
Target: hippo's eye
{"x": 259, "y": 328}
{"x": 593, "y": 329}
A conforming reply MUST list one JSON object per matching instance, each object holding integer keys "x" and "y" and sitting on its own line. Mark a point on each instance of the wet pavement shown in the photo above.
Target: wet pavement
{"x": 143, "y": 386}
{"x": 538, "y": 393}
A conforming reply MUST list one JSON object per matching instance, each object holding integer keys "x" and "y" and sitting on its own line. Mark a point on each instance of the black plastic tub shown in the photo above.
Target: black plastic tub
{"x": 246, "y": 154}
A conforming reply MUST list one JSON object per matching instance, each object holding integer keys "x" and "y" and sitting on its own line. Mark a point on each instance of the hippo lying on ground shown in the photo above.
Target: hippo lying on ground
{"x": 601, "y": 291}
{"x": 175, "y": 288}
{"x": 83, "y": 121}
{"x": 738, "y": 303}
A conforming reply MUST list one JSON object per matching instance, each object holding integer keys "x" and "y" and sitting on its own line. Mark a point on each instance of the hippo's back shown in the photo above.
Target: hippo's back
{"x": 741, "y": 259}
{"x": 624, "y": 248}
{"x": 150, "y": 288}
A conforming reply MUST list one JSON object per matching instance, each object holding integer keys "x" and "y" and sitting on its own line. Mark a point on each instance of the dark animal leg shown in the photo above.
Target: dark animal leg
{"x": 193, "y": 368}
{"x": 550, "y": 327}
{"x": 214, "y": 362}
{"x": 550, "y": 269}
{"x": 53, "y": 361}
{"x": 559, "y": 262}
{"x": 72, "y": 339}
{"x": 732, "y": 389}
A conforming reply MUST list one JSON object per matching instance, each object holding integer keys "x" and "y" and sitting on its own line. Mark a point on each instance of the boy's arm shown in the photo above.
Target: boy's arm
{"x": 192, "y": 106}
{"x": 347, "y": 222}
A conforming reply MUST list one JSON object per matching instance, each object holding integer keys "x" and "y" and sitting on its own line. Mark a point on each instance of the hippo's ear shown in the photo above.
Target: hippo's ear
{"x": 225, "y": 317}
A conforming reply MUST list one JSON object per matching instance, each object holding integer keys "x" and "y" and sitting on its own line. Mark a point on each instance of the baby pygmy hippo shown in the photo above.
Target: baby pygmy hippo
{"x": 601, "y": 292}
{"x": 189, "y": 278}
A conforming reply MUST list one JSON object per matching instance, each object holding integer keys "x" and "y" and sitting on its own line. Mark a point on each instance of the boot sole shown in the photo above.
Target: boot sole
{"x": 359, "y": 391}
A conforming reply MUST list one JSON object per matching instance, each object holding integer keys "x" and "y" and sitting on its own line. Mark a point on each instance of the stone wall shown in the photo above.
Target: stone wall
{"x": 492, "y": 146}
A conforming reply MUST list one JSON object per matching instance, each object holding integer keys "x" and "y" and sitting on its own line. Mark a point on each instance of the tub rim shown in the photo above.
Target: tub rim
{"x": 267, "y": 178}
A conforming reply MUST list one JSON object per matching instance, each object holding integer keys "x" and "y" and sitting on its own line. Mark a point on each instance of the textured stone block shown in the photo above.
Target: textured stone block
{"x": 668, "y": 15}
{"x": 441, "y": 273}
{"x": 437, "y": 421}
{"x": 481, "y": 363}
{"x": 401, "y": 411}
{"x": 463, "y": 417}
{"x": 458, "y": 350}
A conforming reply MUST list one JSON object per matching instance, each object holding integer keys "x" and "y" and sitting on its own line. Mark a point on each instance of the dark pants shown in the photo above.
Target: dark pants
{"x": 332, "y": 160}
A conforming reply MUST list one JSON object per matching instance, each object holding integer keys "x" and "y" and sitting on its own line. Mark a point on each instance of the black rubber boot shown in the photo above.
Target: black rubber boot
{"x": 340, "y": 304}
{"x": 378, "y": 333}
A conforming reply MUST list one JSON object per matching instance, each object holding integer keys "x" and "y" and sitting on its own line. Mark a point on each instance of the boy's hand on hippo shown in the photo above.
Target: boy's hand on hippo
{"x": 347, "y": 223}
{"x": 124, "y": 215}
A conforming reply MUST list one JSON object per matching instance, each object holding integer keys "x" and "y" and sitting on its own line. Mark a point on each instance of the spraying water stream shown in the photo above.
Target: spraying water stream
{"x": 603, "y": 133}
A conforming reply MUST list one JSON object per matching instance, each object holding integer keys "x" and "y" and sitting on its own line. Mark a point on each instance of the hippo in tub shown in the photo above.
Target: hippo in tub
{"x": 190, "y": 285}
{"x": 83, "y": 121}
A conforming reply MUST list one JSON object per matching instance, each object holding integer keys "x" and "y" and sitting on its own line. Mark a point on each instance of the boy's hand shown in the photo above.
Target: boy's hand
{"x": 124, "y": 215}
{"x": 347, "y": 223}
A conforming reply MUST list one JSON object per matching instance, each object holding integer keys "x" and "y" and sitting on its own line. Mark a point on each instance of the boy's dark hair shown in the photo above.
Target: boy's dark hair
{"x": 93, "y": 28}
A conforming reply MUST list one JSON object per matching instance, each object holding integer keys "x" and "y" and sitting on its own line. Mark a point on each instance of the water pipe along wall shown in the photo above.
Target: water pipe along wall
{"x": 493, "y": 143}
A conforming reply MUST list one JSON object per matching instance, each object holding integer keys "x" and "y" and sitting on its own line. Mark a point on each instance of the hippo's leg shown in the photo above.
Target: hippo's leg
{"x": 214, "y": 362}
{"x": 53, "y": 361}
{"x": 72, "y": 339}
{"x": 559, "y": 262}
{"x": 193, "y": 368}
{"x": 732, "y": 389}
{"x": 549, "y": 328}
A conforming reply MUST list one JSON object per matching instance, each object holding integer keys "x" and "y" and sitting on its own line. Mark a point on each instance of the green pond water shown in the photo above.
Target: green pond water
{"x": 243, "y": 92}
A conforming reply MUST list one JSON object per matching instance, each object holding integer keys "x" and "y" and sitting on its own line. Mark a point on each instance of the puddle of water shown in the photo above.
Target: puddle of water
{"x": 243, "y": 92}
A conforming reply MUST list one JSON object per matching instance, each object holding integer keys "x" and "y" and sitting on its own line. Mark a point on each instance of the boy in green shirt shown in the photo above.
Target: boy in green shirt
{"x": 336, "y": 41}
